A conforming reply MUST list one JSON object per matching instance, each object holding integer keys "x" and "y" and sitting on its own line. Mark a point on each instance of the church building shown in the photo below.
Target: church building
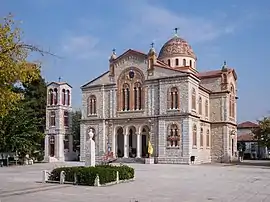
{"x": 164, "y": 99}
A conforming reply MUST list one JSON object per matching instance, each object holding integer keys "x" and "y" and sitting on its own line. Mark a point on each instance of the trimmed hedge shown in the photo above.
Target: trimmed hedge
{"x": 87, "y": 175}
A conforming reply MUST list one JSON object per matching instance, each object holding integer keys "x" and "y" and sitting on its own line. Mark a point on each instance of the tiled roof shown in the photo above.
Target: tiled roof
{"x": 59, "y": 83}
{"x": 209, "y": 73}
{"x": 201, "y": 75}
{"x": 248, "y": 137}
{"x": 214, "y": 73}
{"x": 247, "y": 124}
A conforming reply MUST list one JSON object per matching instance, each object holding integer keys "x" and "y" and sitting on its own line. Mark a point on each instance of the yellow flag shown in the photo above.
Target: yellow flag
{"x": 150, "y": 148}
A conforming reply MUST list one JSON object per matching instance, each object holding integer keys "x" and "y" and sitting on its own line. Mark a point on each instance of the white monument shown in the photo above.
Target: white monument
{"x": 90, "y": 154}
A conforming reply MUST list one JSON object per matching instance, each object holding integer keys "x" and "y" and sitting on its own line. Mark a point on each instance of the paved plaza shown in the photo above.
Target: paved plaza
{"x": 179, "y": 183}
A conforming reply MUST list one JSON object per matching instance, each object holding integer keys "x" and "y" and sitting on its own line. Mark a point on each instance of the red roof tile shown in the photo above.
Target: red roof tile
{"x": 210, "y": 73}
{"x": 201, "y": 75}
{"x": 245, "y": 137}
{"x": 215, "y": 73}
{"x": 247, "y": 124}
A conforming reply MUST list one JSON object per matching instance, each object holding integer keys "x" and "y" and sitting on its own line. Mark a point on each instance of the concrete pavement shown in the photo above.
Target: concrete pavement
{"x": 174, "y": 183}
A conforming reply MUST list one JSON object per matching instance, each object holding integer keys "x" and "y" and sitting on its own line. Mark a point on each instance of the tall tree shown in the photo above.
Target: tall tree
{"x": 19, "y": 131}
{"x": 14, "y": 67}
{"x": 22, "y": 129}
{"x": 262, "y": 133}
{"x": 35, "y": 95}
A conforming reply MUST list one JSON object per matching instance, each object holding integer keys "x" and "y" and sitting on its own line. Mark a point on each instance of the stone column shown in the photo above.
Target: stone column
{"x": 139, "y": 138}
{"x": 126, "y": 146}
{"x": 59, "y": 149}
{"x": 70, "y": 143}
{"x": 113, "y": 143}
{"x": 46, "y": 146}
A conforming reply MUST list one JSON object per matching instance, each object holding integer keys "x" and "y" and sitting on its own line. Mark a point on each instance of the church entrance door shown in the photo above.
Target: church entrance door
{"x": 120, "y": 142}
{"x": 132, "y": 142}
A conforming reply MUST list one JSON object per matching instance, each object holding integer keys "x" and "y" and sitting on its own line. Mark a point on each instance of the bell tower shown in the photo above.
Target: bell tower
{"x": 58, "y": 137}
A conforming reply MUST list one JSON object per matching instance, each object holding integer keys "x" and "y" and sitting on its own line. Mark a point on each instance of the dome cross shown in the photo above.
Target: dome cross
{"x": 176, "y": 31}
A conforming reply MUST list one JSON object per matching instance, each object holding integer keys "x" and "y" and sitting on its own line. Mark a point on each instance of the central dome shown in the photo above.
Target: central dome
{"x": 176, "y": 47}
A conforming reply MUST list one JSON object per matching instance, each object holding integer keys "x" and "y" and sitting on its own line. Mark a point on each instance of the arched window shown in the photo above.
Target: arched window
{"x": 169, "y": 62}
{"x": 125, "y": 97}
{"x": 68, "y": 97}
{"x": 130, "y": 90}
{"x": 66, "y": 119}
{"x": 193, "y": 99}
{"x": 173, "y": 139}
{"x": 194, "y": 136}
{"x": 208, "y": 138}
{"x": 194, "y": 65}
{"x": 190, "y": 63}
{"x": 232, "y": 102}
{"x": 137, "y": 95}
{"x": 92, "y": 105}
{"x": 201, "y": 137}
{"x": 63, "y": 97}
{"x": 55, "y": 96}
{"x": 52, "y": 118}
{"x": 184, "y": 62}
{"x": 173, "y": 98}
{"x": 50, "y": 97}
{"x": 176, "y": 62}
{"x": 200, "y": 105}
{"x": 206, "y": 108}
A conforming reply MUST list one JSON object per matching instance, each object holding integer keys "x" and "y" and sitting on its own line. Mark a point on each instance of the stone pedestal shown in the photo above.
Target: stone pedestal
{"x": 90, "y": 154}
{"x": 149, "y": 160}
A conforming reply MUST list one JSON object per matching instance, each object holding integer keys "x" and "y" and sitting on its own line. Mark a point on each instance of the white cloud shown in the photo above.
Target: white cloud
{"x": 153, "y": 22}
{"x": 142, "y": 23}
{"x": 81, "y": 47}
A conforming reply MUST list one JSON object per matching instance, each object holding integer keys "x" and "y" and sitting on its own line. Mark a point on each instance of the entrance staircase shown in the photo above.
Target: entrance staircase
{"x": 129, "y": 160}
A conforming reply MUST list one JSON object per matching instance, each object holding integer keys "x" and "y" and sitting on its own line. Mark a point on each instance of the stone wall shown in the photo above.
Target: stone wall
{"x": 158, "y": 116}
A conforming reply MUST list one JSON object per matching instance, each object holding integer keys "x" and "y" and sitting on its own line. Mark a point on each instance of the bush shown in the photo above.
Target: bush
{"x": 87, "y": 175}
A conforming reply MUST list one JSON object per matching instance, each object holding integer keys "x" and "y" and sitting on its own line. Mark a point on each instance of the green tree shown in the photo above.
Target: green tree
{"x": 35, "y": 95}
{"x": 22, "y": 129}
{"x": 19, "y": 131}
{"x": 14, "y": 67}
{"x": 75, "y": 130}
{"x": 262, "y": 133}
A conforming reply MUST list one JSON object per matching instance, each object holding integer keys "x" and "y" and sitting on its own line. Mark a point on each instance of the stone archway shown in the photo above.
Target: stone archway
{"x": 132, "y": 142}
{"x": 51, "y": 146}
{"x": 120, "y": 144}
{"x": 145, "y": 130}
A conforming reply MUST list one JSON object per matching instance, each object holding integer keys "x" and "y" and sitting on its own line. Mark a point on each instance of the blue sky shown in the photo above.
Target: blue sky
{"x": 85, "y": 32}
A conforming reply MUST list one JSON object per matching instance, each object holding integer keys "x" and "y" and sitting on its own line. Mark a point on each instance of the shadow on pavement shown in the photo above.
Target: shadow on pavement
{"x": 264, "y": 163}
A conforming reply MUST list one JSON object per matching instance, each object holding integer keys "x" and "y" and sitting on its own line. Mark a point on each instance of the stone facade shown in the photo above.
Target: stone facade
{"x": 58, "y": 139}
{"x": 143, "y": 98}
